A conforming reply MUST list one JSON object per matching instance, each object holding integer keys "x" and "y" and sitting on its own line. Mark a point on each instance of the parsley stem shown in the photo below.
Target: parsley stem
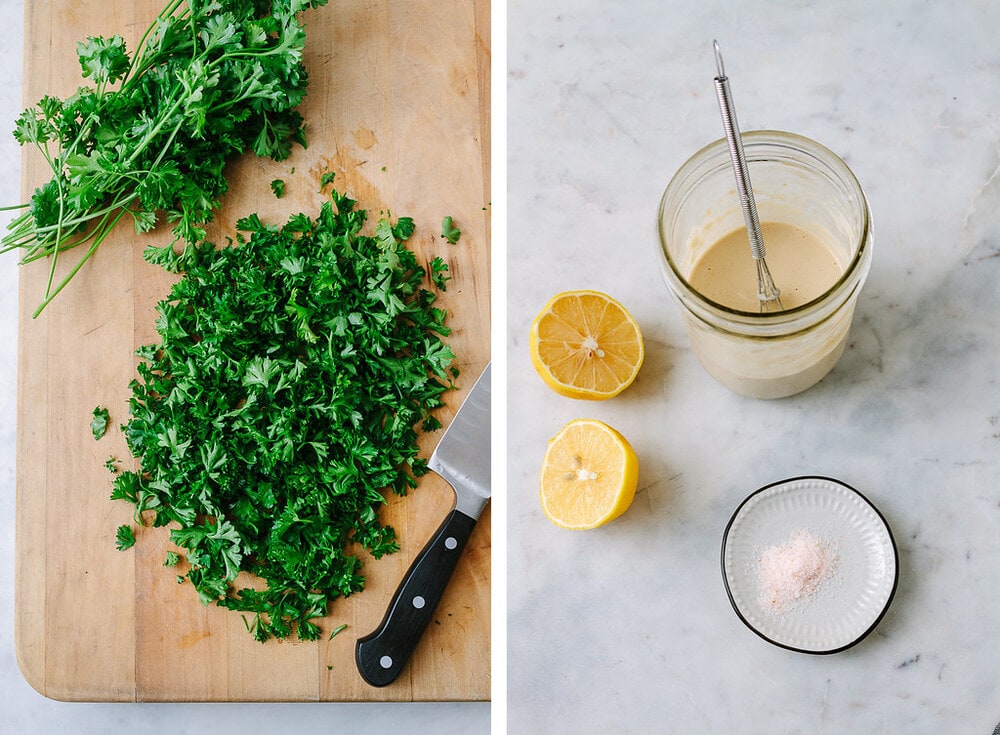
{"x": 141, "y": 48}
{"x": 163, "y": 118}
{"x": 49, "y": 294}
{"x": 70, "y": 223}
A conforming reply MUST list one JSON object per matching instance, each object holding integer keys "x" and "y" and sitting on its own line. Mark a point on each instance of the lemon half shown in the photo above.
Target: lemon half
{"x": 589, "y": 475}
{"x": 584, "y": 344}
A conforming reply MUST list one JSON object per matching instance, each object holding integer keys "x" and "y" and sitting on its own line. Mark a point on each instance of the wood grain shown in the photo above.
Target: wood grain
{"x": 398, "y": 107}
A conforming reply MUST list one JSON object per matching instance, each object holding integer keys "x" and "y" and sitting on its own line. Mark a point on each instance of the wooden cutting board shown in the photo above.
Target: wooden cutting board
{"x": 398, "y": 107}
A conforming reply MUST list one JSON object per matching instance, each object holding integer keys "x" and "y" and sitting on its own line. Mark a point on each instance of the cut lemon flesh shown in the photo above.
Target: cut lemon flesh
{"x": 589, "y": 475}
{"x": 584, "y": 344}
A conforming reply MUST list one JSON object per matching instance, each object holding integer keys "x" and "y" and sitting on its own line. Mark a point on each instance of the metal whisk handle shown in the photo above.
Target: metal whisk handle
{"x": 740, "y": 169}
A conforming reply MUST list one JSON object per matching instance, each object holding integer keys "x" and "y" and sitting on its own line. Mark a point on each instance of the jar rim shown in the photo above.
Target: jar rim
{"x": 754, "y": 141}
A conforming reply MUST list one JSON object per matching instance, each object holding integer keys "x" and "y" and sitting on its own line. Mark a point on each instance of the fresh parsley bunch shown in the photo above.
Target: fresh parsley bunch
{"x": 209, "y": 79}
{"x": 281, "y": 403}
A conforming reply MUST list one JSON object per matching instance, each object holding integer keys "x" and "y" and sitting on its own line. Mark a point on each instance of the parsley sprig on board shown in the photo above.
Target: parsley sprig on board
{"x": 209, "y": 79}
{"x": 282, "y": 401}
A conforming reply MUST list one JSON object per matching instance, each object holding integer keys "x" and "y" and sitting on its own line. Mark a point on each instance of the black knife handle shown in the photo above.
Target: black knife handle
{"x": 382, "y": 654}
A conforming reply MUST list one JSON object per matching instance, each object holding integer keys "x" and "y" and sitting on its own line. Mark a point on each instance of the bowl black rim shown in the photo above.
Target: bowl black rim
{"x": 892, "y": 543}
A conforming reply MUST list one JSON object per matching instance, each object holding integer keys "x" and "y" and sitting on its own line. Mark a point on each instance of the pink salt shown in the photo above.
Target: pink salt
{"x": 792, "y": 572}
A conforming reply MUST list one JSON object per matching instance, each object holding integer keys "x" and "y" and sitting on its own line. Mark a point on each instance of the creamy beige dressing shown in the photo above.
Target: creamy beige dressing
{"x": 802, "y": 265}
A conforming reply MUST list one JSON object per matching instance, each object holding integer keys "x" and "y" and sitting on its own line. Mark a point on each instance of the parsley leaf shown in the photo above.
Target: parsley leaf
{"x": 449, "y": 232}
{"x": 438, "y": 270}
{"x": 99, "y": 424}
{"x": 124, "y": 538}
{"x": 103, "y": 59}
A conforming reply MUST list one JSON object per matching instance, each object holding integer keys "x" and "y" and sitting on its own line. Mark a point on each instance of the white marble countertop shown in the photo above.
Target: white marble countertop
{"x": 22, "y": 709}
{"x": 628, "y": 628}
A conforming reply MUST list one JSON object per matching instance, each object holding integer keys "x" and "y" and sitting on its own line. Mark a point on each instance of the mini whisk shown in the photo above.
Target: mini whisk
{"x": 767, "y": 292}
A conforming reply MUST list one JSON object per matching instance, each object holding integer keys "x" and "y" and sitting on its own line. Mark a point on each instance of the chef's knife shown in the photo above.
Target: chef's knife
{"x": 462, "y": 457}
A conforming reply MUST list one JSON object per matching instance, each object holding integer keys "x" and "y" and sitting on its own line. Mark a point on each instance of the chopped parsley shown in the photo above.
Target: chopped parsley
{"x": 293, "y": 372}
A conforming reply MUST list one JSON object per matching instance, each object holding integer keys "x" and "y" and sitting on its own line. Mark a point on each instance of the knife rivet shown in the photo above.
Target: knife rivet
{"x": 450, "y": 542}
{"x": 385, "y": 662}
{"x": 418, "y": 602}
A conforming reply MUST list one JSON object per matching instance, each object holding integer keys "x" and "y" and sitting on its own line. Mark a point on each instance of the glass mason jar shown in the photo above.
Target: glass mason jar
{"x": 795, "y": 181}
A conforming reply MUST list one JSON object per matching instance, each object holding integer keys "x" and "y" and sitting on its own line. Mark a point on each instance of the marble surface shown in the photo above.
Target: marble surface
{"x": 628, "y": 628}
{"x": 22, "y": 709}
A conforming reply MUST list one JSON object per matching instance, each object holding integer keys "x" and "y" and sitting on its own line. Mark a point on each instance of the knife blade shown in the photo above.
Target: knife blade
{"x": 462, "y": 458}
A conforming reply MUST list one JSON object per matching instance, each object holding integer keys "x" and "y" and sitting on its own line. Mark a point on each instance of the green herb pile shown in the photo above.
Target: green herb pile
{"x": 210, "y": 79}
{"x": 283, "y": 400}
